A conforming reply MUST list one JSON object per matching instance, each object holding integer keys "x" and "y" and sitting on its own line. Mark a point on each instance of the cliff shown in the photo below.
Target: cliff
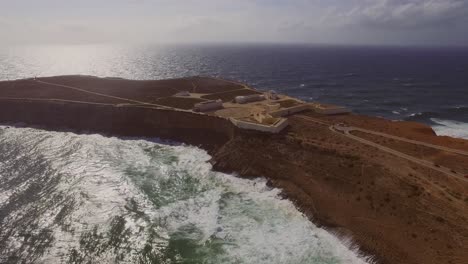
{"x": 200, "y": 130}
{"x": 398, "y": 210}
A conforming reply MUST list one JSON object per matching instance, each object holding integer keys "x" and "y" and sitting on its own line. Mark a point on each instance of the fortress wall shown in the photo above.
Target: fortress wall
{"x": 332, "y": 111}
{"x": 290, "y": 110}
{"x": 259, "y": 127}
{"x": 129, "y": 121}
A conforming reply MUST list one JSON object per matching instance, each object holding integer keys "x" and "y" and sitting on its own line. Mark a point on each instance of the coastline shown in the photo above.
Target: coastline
{"x": 347, "y": 187}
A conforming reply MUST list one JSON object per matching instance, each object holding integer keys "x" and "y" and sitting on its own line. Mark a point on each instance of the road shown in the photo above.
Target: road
{"x": 318, "y": 121}
{"x": 106, "y": 95}
{"x": 345, "y": 130}
{"x": 53, "y": 100}
{"x": 457, "y": 151}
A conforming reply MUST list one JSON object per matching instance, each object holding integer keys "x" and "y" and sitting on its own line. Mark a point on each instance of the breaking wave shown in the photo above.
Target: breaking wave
{"x": 67, "y": 198}
{"x": 450, "y": 128}
{"x": 458, "y": 112}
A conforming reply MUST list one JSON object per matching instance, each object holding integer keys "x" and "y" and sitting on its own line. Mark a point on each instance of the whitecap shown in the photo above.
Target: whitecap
{"x": 160, "y": 196}
{"x": 415, "y": 114}
{"x": 450, "y": 128}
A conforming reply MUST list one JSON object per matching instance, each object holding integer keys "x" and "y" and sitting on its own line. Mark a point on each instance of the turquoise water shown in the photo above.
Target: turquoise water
{"x": 68, "y": 198}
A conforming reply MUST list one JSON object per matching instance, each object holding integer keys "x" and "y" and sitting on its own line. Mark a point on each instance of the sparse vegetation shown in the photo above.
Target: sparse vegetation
{"x": 229, "y": 95}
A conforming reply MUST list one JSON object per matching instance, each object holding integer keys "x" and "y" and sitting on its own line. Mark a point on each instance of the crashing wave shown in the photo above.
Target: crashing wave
{"x": 450, "y": 128}
{"x": 80, "y": 198}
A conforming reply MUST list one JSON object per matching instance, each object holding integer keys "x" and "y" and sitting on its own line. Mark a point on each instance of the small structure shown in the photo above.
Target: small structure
{"x": 261, "y": 117}
{"x": 208, "y": 106}
{"x": 249, "y": 98}
{"x": 272, "y": 95}
{"x": 331, "y": 109}
{"x": 183, "y": 94}
{"x": 272, "y": 107}
{"x": 274, "y": 128}
{"x": 290, "y": 110}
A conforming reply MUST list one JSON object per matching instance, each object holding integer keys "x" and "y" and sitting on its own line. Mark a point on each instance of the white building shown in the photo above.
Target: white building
{"x": 249, "y": 98}
{"x": 183, "y": 93}
{"x": 208, "y": 106}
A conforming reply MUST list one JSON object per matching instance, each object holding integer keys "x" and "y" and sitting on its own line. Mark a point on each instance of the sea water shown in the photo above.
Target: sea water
{"x": 68, "y": 198}
{"x": 400, "y": 83}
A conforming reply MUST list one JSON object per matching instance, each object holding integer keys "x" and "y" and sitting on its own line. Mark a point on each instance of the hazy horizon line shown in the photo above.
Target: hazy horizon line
{"x": 240, "y": 43}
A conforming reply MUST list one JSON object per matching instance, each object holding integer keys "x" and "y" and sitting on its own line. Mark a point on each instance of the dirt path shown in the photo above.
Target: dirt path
{"x": 461, "y": 152}
{"x": 313, "y": 120}
{"x": 55, "y": 100}
{"x": 105, "y": 95}
{"x": 346, "y": 132}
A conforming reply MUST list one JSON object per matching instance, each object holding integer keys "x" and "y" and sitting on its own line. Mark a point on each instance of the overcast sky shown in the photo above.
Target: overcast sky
{"x": 393, "y": 22}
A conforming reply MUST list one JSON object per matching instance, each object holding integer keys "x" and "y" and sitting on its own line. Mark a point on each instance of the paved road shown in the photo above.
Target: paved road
{"x": 446, "y": 171}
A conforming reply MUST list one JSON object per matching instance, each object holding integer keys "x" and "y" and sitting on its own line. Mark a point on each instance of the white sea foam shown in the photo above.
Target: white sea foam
{"x": 450, "y": 128}
{"x": 176, "y": 192}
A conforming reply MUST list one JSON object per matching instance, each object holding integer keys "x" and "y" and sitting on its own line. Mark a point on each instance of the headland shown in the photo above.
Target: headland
{"x": 396, "y": 188}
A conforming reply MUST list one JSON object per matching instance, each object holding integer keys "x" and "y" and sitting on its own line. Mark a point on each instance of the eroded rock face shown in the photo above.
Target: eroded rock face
{"x": 398, "y": 211}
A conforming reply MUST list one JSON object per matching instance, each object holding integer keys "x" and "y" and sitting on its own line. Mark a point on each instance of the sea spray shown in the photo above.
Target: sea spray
{"x": 68, "y": 198}
{"x": 450, "y": 128}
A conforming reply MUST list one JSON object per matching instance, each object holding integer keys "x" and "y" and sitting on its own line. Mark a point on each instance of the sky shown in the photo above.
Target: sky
{"x": 367, "y": 22}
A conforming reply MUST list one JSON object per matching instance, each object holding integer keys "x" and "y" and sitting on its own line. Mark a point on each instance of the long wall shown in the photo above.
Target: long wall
{"x": 283, "y": 123}
{"x": 186, "y": 127}
{"x": 290, "y": 110}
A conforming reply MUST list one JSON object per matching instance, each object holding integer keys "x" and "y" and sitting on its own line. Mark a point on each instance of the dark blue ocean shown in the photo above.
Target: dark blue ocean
{"x": 427, "y": 85}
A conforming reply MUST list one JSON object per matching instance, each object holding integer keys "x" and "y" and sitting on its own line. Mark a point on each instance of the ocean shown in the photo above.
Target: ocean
{"x": 428, "y": 85}
{"x": 68, "y": 198}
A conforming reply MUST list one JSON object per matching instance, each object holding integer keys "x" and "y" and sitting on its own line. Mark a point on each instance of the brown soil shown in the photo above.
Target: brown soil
{"x": 439, "y": 157}
{"x": 230, "y": 95}
{"x": 396, "y": 210}
{"x": 288, "y": 103}
{"x": 410, "y": 130}
{"x": 144, "y": 91}
{"x": 185, "y": 103}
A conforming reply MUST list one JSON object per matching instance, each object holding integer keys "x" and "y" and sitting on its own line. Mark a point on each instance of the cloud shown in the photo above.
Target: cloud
{"x": 408, "y": 14}
{"x": 314, "y": 21}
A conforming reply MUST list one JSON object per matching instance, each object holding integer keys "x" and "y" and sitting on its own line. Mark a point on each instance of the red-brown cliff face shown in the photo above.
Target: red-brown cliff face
{"x": 196, "y": 129}
{"x": 398, "y": 211}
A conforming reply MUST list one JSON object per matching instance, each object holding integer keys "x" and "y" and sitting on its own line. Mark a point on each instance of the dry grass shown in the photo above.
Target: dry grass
{"x": 230, "y": 95}
{"x": 288, "y": 103}
{"x": 185, "y": 103}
